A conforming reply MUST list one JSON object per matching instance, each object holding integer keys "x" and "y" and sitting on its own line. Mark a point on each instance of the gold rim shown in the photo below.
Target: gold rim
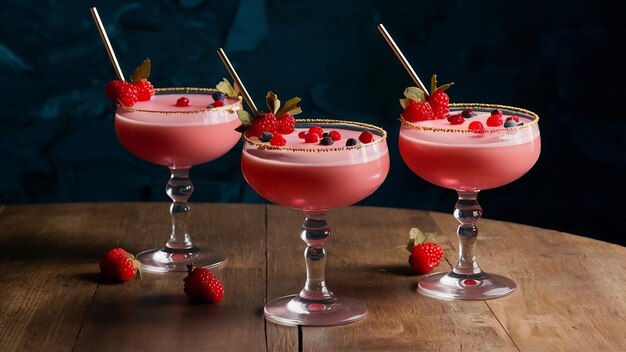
{"x": 267, "y": 146}
{"x": 163, "y": 91}
{"x": 529, "y": 113}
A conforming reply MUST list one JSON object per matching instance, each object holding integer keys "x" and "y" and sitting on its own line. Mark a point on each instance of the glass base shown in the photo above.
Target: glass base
{"x": 295, "y": 310}
{"x": 463, "y": 287}
{"x": 168, "y": 260}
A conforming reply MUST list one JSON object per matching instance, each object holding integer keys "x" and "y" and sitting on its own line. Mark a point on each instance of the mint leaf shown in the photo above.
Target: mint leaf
{"x": 443, "y": 88}
{"x": 142, "y": 71}
{"x": 415, "y": 94}
{"x": 291, "y": 107}
{"x": 273, "y": 104}
{"x": 245, "y": 117}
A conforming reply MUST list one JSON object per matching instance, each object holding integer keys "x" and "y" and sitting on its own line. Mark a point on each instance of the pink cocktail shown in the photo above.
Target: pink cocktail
{"x": 468, "y": 161}
{"x": 316, "y": 178}
{"x": 160, "y": 132}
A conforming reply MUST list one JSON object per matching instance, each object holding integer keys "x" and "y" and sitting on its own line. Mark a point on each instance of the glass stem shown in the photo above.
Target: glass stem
{"x": 315, "y": 232}
{"x": 467, "y": 211}
{"x": 179, "y": 188}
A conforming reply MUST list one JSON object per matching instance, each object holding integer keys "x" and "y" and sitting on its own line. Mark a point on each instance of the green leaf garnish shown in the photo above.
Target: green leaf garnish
{"x": 434, "y": 88}
{"x": 142, "y": 71}
{"x": 415, "y": 94}
{"x": 404, "y": 103}
{"x": 291, "y": 107}
{"x": 273, "y": 104}
{"x": 246, "y": 120}
{"x": 225, "y": 87}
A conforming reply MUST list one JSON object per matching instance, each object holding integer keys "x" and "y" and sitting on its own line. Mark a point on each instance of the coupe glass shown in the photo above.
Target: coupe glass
{"x": 162, "y": 133}
{"x": 454, "y": 157}
{"x": 316, "y": 179}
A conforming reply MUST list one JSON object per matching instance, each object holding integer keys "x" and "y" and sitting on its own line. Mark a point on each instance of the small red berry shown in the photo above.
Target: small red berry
{"x": 311, "y": 137}
{"x": 301, "y": 134}
{"x": 456, "y": 119}
{"x": 286, "y": 124}
{"x": 418, "y": 111}
{"x": 119, "y": 265}
{"x": 182, "y": 102}
{"x": 494, "y": 121}
{"x": 144, "y": 89}
{"x": 218, "y": 103}
{"x": 496, "y": 112}
{"x": 425, "y": 257}
{"x": 514, "y": 118}
{"x": 366, "y": 137}
{"x": 476, "y": 126}
{"x": 202, "y": 285}
{"x": 335, "y": 135}
{"x": 317, "y": 130}
{"x": 278, "y": 140}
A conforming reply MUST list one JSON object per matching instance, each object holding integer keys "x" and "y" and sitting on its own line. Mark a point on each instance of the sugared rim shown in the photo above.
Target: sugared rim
{"x": 266, "y": 146}
{"x": 479, "y": 106}
{"x": 160, "y": 91}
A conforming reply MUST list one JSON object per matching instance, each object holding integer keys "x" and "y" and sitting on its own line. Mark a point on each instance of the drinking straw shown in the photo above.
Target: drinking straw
{"x": 401, "y": 57}
{"x": 107, "y": 43}
{"x": 237, "y": 81}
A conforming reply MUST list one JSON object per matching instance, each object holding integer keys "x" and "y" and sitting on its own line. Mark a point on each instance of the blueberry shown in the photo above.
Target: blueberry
{"x": 351, "y": 142}
{"x": 266, "y": 136}
{"x": 218, "y": 96}
{"x": 510, "y": 123}
{"x": 325, "y": 134}
{"x": 468, "y": 113}
{"x": 326, "y": 141}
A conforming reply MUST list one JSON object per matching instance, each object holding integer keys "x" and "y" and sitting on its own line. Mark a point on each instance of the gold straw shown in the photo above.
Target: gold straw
{"x": 237, "y": 81}
{"x": 401, "y": 57}
{"x": 107, "y": 43}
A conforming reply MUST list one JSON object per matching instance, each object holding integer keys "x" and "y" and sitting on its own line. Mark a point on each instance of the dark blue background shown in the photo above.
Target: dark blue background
{"x": 561, "y": 59}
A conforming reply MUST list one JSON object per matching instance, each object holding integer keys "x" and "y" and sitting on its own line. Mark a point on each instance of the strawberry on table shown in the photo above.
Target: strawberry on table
{"x": 119, "y": 265}
{"x": 425, "y": 254}
{"x": 201, "y": 285}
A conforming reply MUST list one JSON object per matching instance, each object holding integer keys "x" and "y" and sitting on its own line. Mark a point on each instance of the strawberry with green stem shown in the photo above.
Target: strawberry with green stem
{"x": 425, "y": 253}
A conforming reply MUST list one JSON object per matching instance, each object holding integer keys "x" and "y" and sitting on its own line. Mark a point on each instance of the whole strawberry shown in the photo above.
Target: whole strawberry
{"x": 202, "y": 285}
{"x": 418, "y": 111}
{"x": 119, "y": 265}
{"x": 425, "y": 257}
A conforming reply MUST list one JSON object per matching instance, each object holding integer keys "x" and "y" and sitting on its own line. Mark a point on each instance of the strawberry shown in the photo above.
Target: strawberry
{"x": 202, "y": 285}
{"x": 144, "y": 89}
{"x": 425, "y": 257}
{"x": 119, "y": 265}
{"x": 418, "y": 111}
{"x": 439, "y": 102}
{"x": 286, "y": 124}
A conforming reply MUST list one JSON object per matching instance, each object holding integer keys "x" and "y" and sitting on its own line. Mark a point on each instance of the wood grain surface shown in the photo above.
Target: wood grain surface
{"x": 570, "y": 292}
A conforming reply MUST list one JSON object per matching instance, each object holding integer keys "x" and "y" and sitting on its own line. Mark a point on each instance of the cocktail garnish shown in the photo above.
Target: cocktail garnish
{"x": 350, "y": 142}
{"x": 182, "y": 102}
{"x": 254, "y": 126}
{"x": 227, "y": 89}
{"x": 419, "y": 108}
{"x": 138, "y": 89}
{"x": 366, "y": 137}
{"x": 476, "y": 126}
{"x": 495, "y": 120}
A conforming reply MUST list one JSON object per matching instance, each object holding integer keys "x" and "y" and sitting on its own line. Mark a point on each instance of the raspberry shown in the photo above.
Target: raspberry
{"x": 217, "y": 103}
{"x": 439, "y": 102}
{"x": 476, "y": 126}
{"x": 418, "y": 112}
{"x": 494, "y": 121}
{"x": 366, "y": 137}
{"x": 114, "y": 89}
{"x": 335, "y": 135}
{"x": 301, "y": 134}
{"x": 128, "y": 96}
{"x": 311, "y": 137}
{"x": 144, "y": 89}
{"x": 317, "y": 130}
{"x": 182, "y": 102}
{"x": 456, "y": 119}
{"x": 266, "y": 123}
{"x": 278, "y": 140}
{"x": 286, "y": 124}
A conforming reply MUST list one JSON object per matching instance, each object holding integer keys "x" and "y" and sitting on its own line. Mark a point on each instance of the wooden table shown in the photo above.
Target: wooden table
{"x": 570, "y": 292}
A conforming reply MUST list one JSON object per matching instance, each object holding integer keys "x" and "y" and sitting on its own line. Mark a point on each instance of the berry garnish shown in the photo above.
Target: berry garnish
{"x": 326, "y": 141}
{"x": 440, "y": 104}
{"x": 456, "y": 119}
{"x": 418, "y": 111}
{"x": 311, "y": 137}
{"x": 217, "y": 96}
{"x": 114, "y": 88}
{"x": 514, "y": 118}
{"x": 335, "y": 135}
{"x": 317, "y": 130}
{"x": 468, "y": 113}
{"x": 301, "y": 134}
{"x": 510, "y": 123}
{"x": 145, "y": 89}
{"x": 119, "y": 265}
{"x": 266, "y": 123}
{"x": 286, "y": 124}
{"x": 266, "y": 136}
{"x": 494, "y": 121}
{"x": 476, "y": 126}
{"x": 278, "y": 140}
{"x": 201, "y": 285}
{"x": 325, "y": 134}
{"x": 217, "y": 103}
{"x": 351, "y": 142}
{"x": 425, "y": 253}
{"x": 496, "y": 112}
{"x": 182, "y": 102}
{"x": 127, "y": 96}
{"x": 366, "y": 137}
